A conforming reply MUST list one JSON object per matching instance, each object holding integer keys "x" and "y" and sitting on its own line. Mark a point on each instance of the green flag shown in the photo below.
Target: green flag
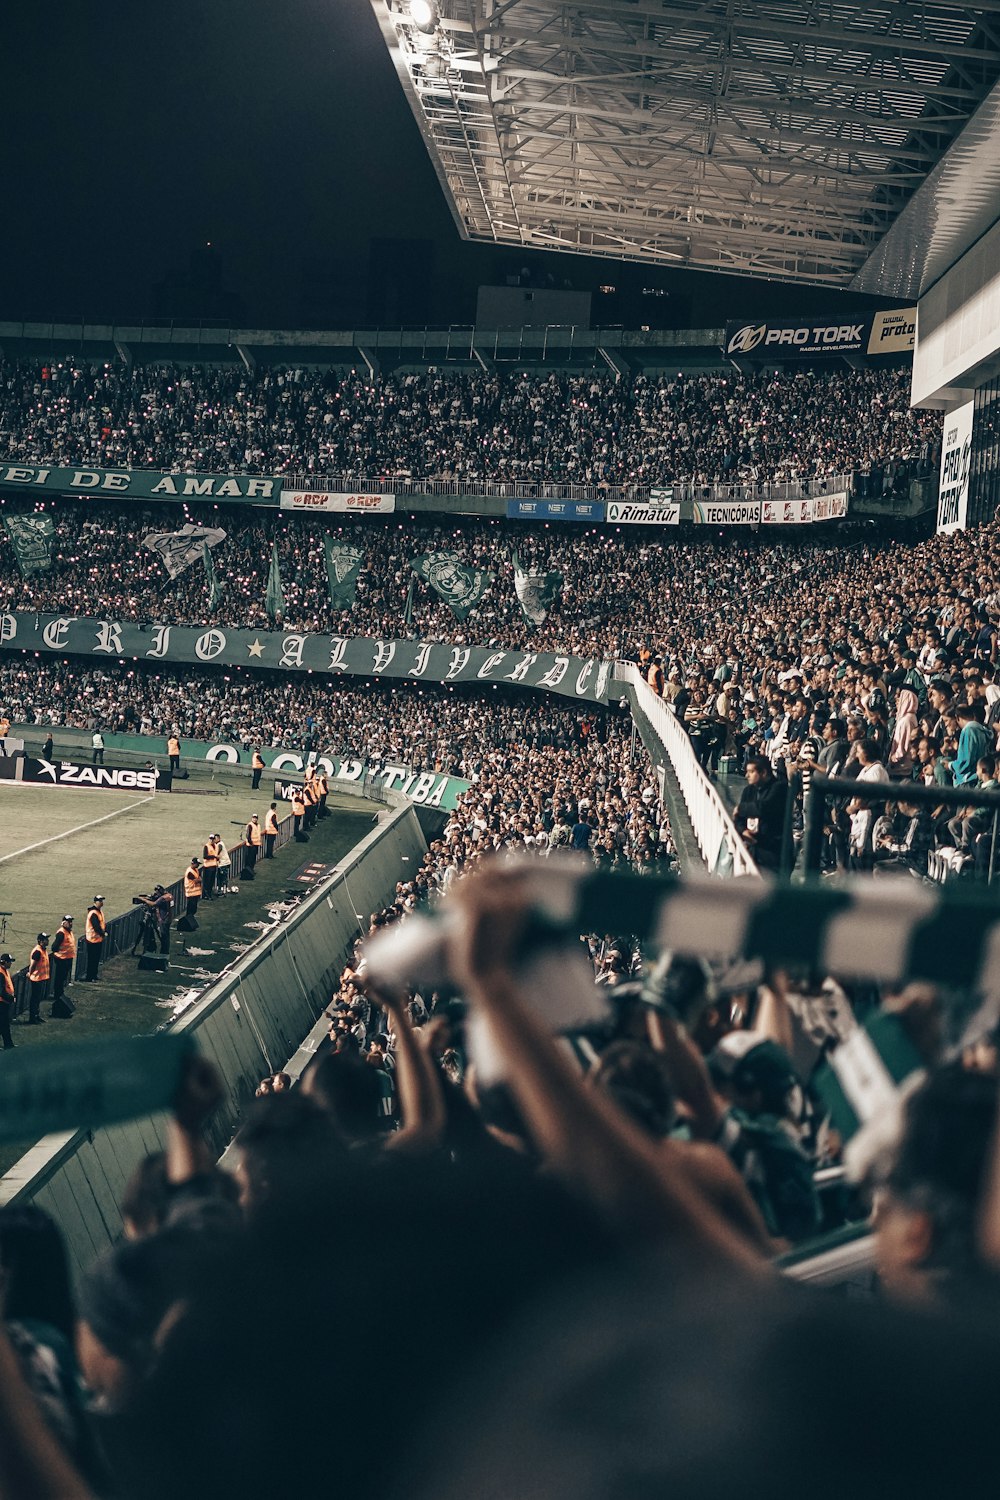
{"x": 408, "y": 607}
{"x": 343, "y": 568}
{"x": 536, "y": 591}
{"x": 214, "y": 586}
{"x": 31, "y": 538}
{"x": 274, "y": 599}
{"x": 462, "y": 588}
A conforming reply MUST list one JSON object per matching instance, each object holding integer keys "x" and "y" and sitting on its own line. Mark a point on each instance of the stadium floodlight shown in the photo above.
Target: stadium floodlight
{"x": 425, "y": 15}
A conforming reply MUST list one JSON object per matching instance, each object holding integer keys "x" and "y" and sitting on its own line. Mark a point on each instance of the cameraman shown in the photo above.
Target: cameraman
{"x": 160, "y": 914}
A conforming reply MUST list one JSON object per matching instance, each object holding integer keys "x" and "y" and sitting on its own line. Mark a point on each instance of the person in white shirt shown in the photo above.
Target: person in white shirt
{"x": 862, "y": 814}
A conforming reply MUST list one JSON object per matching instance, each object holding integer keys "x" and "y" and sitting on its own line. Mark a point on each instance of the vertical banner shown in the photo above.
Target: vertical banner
{"x": 956, "y": 454}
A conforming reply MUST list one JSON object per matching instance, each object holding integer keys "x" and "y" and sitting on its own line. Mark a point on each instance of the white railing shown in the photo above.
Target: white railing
{"x": 714, "y": 829}
{"x": 553, "y": 489}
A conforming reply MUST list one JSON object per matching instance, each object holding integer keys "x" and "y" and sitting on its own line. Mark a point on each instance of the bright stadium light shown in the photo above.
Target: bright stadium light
{"x": 424, "y": 15}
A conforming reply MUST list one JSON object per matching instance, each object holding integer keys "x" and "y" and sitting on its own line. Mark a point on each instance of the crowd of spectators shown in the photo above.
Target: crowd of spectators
{"x": 501, "y": 426}
{"x": 587, "y": 1224}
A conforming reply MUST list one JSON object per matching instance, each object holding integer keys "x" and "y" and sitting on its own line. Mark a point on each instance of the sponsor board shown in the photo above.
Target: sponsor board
{"x": 956, "y": 456}
{"x": 726, "y": 512}
{"x": 830, "y": 507}
{"x": 40, "y": 772}
{"x": 623, "y": 513}
{"x": 555, "y": 510}
{"x": 327, "y": 500}
{"x": 143, "y": 484}
{"x": 288, "y": 651}
{"x": 427, "y": 788}
{"x": 893, "y": 332}
{"x": 787, "y": 512}
{"x": 870, "y": 334}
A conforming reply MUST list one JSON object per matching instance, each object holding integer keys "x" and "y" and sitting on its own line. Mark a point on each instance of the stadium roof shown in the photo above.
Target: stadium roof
{"x": 772, "y": 139}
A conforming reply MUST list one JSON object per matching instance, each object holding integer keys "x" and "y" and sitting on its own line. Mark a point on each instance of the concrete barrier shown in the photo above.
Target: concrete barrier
{"x": 248, "y": 1022}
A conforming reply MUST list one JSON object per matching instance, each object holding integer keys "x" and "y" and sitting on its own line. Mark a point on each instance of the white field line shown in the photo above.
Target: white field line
{"x": 79, "y": 829}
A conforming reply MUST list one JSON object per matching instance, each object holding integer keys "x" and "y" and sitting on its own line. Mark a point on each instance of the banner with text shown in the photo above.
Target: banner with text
{"x": 627, "y": 513}
{"x": 956, "y": 454}
{"x": 830, "y": 507}
{"x": 291, "y": 651}
{"x": 141, "y": 484}
{"x": 787, "y": 512}
{"x": 27, "y": 769}
{"x": 867, "y": 334}
{"x": 555, "y": 510}
{"x": 726, "y": 512}
{"x": 326, "y": 500}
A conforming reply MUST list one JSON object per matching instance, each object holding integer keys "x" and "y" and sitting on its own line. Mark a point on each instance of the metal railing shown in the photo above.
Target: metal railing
{"x": 551, "y": 489}
{"x": 720, "y": 844}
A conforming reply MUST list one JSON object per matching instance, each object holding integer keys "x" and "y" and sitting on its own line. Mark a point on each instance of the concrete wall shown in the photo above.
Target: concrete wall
{"x": 249, "y": 1022}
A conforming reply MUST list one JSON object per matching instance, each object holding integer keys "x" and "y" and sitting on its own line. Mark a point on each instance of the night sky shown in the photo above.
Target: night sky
{"x": 139, "y": 134}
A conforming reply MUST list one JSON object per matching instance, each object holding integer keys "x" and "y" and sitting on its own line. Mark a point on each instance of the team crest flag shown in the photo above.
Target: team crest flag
{"x": 31, "y": 538}
{"x": 274, "y": 598}
{"x": 177, "y": 550}
{"x": 343, "y": 569}
{"x": 214, "y": 586}
{"x": 536, "y": 591}
{"x": 462, "y": 588}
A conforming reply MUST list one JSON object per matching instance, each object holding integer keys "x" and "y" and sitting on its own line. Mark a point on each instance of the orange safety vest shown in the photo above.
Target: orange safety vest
{"x": 39, "y": 965}
{"x": 258, "y": 761}
{"x": 298, "y": 804}
{"x": 96, "y": 926}
{"x": 324, "y": 784}
{"x": 192, "y": 881}
{"x": 254, "y": 835}
{"x": 6, "y": 986}
{"x": 173, "y": 745}
{"x": 67, "y": 944}
{"x": 312, "y": 792}
{"x": 270, "y": 822}
{"x": 210, "y": 855}
{"x": 654, "y": 678}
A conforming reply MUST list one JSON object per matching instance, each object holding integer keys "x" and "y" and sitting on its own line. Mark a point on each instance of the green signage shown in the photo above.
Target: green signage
{"x": 141, "y": 484}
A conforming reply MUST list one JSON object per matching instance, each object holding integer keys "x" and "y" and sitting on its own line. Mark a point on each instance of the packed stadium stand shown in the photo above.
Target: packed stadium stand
{"x": 664, "y": 674}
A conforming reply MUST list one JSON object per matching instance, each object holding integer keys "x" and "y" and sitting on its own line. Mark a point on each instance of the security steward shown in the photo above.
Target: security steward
{"x": 63, "y": 953}
{"x": 324, "y": 792}
{"x": 270, "y": 830}
{"x": 38, "y": 979}
{"x": 298, "y": 813}
{"x": 93, "y": 936}
{"x": 311, "y": 793}
{"x": 258, "y": 766}
{"x": 254, "y": 839}
{"x": 7, "y": 999}
{"x": 174, "y": 751}
{"x": 211, "y": 854}
{"x": 192, "y": 886}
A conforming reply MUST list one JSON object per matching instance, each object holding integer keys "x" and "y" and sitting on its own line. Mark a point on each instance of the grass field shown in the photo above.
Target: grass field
{"x": 127, "y": 852}
{"x": 59, "y": 846}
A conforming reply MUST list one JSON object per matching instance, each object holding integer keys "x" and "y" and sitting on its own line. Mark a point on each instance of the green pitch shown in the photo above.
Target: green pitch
{"x": 60, "y": 846}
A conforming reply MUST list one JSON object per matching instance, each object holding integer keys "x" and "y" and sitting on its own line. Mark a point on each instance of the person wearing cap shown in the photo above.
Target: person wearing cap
{"x": 161, "y": 910}
{"x": 63, "y": 954}
{"x": 298, "y": 813}
{"x": 254, "y": 838}
{"x": 193, "y": 886}
{"x": 209, "y": 864}
{"x": 258, "y": 768}
{"x": 38, "y": 978}
{"x": 94, "y": 931}
{"x": 7, "y": 999}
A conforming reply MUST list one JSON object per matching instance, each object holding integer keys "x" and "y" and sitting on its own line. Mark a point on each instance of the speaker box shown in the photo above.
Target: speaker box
{"x": 187, "y": 924}
{"x": 63, "y": 1008}
{"x": 155, "y": 961}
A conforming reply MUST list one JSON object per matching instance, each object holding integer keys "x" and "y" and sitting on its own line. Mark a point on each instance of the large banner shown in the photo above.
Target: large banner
{"x": 426, "y": 788}
{"x": 326, "y": 500}
{"x": 787, "y": 512}
{"x": 291, "y": 651}
{"x": 32, "y": 538}
{"x": 627, "y": 513}
{"x": 956, "y": 454}
{"x": 726, "y": 512}
{"x": 555, "y": 510}
{"x": 830, "y": 507}
{"x": 867, "y": 334}
{"x": 142, "y": 484}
